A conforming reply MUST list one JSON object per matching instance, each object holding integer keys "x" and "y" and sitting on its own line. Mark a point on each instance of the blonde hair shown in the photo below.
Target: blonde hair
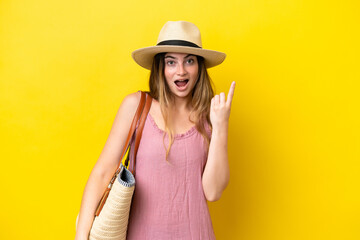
{"x": 201, "y": 97}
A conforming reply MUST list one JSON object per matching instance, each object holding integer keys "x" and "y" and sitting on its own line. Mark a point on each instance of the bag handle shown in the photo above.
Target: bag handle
{"x": 141, "y": 111}
{"x": 133, "y": 126}
{"x": 139, "y": 133}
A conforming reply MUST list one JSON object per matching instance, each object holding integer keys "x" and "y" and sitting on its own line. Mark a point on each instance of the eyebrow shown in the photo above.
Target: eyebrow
{"x": 189, "y": 55}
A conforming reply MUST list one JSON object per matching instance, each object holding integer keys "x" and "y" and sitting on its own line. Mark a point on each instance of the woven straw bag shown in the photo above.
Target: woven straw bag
{"x": 112, "y": 221}
{"x": 112, "y": 213}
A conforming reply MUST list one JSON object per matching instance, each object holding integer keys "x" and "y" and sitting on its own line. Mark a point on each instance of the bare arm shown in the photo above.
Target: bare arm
{"x": 105, "y": 166}
{"x": 216, "y": 173}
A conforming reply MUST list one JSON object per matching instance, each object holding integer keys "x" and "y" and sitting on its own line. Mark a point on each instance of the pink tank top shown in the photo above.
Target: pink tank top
{"x": 169, "y": 202}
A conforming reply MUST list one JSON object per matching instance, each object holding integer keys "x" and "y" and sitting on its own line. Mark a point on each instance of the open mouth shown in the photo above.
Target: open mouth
{"x": 181, "y": 83}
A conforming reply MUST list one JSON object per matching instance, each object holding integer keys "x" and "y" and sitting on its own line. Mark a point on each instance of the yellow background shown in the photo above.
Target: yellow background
{"x": 294, "y": 145}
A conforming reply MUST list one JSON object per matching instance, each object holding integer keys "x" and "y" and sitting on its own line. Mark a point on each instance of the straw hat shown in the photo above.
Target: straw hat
{"x": 179, "y": 37}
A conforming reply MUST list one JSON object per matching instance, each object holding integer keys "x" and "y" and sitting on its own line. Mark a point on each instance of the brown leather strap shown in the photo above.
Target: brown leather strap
{"x": 138, "y": 112}
{"x": 137, "y": 115}
{"x": 133, "y": 125}
{"x": 139, "y": 131}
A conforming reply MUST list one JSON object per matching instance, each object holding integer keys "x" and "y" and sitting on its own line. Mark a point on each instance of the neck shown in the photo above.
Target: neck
{"x": 181, "y": 105}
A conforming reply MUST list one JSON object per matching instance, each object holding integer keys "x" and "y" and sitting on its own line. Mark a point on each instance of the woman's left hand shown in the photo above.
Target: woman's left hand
{"x": 220, "y": 108}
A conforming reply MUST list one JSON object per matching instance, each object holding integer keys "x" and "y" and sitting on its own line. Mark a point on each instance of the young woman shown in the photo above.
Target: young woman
{"x": 182, "y": 160}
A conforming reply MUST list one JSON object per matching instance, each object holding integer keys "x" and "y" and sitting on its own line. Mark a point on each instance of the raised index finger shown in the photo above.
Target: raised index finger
{"x": 231, "y": 93}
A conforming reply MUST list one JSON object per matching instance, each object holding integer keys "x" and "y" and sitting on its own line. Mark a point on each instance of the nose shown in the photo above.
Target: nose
{"x": 181, "y": 69}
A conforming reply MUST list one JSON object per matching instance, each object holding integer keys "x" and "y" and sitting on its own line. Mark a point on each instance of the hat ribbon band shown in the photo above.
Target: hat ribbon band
{"x": 178, "y": 43}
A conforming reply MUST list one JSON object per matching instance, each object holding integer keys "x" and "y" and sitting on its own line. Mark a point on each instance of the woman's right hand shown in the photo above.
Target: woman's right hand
{"x": 82, "y": 237}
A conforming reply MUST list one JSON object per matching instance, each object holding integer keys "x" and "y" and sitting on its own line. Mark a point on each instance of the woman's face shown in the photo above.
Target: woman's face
{"x": 181, "y": 73}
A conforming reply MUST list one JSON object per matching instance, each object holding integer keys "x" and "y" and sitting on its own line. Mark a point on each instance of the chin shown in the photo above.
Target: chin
{"x": 181, "y": 94}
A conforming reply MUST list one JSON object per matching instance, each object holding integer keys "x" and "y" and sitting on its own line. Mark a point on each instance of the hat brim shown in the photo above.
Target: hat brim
{"x": 144, "y": 56}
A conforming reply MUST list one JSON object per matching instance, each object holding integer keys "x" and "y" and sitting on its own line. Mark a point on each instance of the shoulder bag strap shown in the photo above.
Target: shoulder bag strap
{"x": 138, "y": 112}
{"x": 136, "y": 118}
{"x": 139, "y": 132}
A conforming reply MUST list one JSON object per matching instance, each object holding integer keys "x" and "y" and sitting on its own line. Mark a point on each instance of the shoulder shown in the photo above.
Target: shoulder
{"x": 131, "y": 101}
{"x": 128, "y": 106}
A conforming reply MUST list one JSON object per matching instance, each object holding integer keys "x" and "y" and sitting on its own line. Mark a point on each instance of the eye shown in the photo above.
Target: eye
{"x": 170, "y": 62}
{"x": 190, "y": 61}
